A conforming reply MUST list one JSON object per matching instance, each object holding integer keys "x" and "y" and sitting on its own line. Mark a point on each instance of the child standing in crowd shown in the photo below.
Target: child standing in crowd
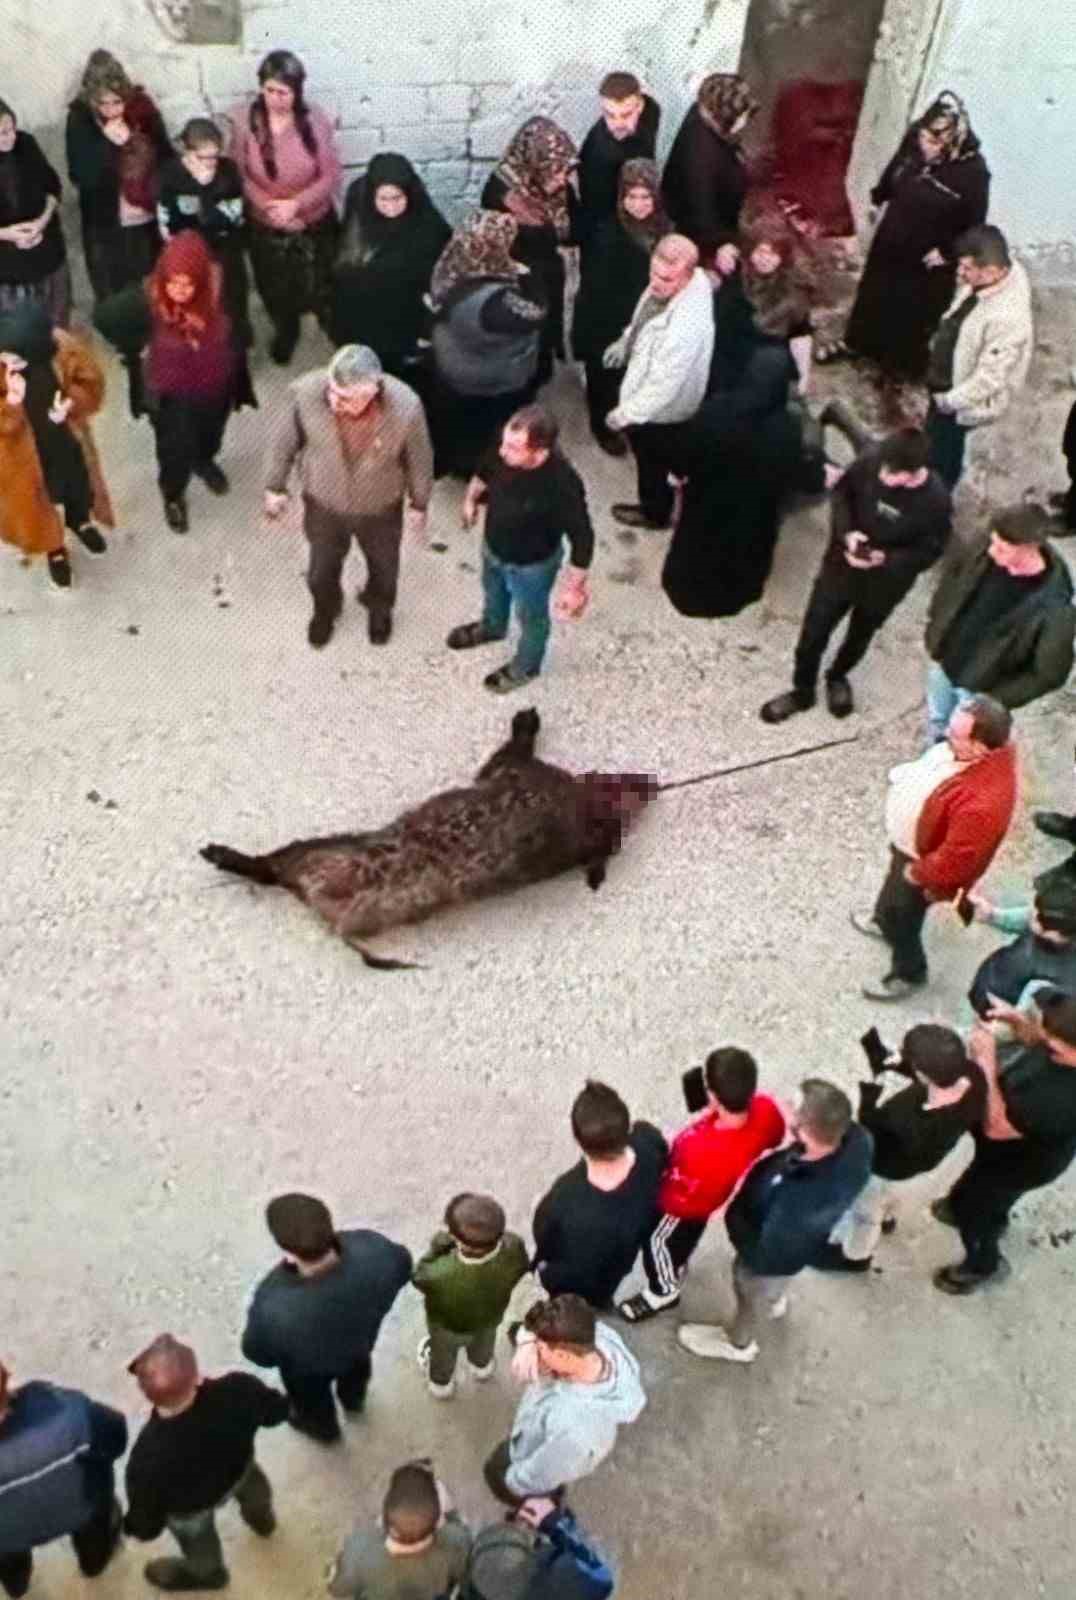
{"x": 419, "y": 1550}
{"x": 466, "y": 1278}
{"x": 707, "y": 1161}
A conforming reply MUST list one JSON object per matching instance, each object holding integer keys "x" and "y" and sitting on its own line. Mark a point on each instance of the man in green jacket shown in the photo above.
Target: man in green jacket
{"x": 1001, "y": 621}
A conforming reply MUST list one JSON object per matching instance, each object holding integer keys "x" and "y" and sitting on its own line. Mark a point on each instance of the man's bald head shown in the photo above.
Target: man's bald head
{"x": 671, "y": 266}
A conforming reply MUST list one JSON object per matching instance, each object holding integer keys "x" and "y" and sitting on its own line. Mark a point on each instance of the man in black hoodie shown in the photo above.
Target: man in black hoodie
{"x": 784, "y": 1214}
{"x": 57, "y": 1449}
{"x": 317, "y": 1315}
{"x": 627, "y": 130}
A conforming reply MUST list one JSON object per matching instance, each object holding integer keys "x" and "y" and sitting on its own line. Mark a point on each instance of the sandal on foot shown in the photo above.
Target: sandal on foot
{"x": 639, "y": 1309}
{"x": 470, "y": 634}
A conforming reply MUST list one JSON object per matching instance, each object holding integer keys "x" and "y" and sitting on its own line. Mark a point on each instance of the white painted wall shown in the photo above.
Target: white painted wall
{"x": 444, "y": 81}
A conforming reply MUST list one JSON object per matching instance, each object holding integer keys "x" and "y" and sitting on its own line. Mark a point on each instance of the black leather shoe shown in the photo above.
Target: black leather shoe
{"x": 320, "y": 629}
{"x": 175, "y": 514}
{"x": 60, "y": 569}
{"x": 91, "y": 539}
{"x": 213, "y": 478}
{"x": 379, "y": 627}
{"x": 783, "y": 706}
{"x": 1055, "y": 825}
{"x": 633, "y": 516}
{"x": 839, "y": 697}
{"x": 282, "y": 349}
{"x": 614, "y": 444}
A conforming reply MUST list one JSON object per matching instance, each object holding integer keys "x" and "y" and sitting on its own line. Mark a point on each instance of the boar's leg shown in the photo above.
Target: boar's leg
{"x": 519, "y": 746}
{"x": 379, "y": 963}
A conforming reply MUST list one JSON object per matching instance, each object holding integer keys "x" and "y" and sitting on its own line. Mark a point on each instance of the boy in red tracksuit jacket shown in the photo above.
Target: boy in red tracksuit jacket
{"x": 706, "y": 1163}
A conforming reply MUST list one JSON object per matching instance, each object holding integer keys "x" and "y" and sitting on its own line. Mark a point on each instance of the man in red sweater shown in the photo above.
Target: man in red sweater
{"x": 946, "y": 815}
{"x": 706, "y": 1162}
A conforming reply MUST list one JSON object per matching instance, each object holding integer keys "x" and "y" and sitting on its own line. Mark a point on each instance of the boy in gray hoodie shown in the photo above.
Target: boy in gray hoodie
{"x": 582, "y": 1383}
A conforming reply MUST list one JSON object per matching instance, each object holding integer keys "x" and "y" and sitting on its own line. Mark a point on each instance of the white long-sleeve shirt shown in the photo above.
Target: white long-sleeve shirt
{"x": 669, "y": 364}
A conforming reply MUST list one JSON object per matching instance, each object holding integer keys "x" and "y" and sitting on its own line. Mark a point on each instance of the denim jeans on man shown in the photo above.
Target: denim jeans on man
{"x": 943, "y": 698}
{"x": 948, "y": 443}
{"x": 197, "y": 1534}
{"x": 528, "y": 588}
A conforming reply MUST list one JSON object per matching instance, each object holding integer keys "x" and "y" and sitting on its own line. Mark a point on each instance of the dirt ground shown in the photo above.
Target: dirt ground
{"x": 177, "y": 1047}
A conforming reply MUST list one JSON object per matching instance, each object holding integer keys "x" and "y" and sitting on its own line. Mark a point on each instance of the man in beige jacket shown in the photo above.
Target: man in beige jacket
{"x": 980, "y": 354}
{"x": 360, "y": 442}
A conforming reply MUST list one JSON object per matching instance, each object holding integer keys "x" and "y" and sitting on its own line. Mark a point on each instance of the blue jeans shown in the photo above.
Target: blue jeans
{"x": 948, "y": 441}
{"x": 529, "y": 588}
{"x": 943, "y": 698}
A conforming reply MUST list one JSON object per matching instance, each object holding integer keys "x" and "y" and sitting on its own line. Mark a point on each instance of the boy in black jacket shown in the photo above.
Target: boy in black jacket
{"x": 784, "y": 1213}
{"x": 590, "y": 1226}
{"x": 913, "y": 1131}
{"x": 317, "y": 1315}
{"x": 57, "y": 1449}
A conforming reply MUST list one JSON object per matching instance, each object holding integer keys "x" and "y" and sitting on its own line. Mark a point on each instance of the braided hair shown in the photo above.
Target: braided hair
{"x": 282, "y": 66}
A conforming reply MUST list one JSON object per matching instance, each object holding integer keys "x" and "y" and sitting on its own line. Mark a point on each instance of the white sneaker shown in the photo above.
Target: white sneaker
{"x": 779, "y": 1309}
{"x": 442, "y": 1391}
{"x": 482, "y": 1374}
{"x": 706, "y": 1339}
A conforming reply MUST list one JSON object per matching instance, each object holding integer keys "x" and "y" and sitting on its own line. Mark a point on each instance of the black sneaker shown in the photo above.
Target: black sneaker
{"x": 320, "y": 629}
{"x": 213, "y": 478}
{"x": 282, "y": 349}
{"x": 91, "y": 539}
{"x": 175, "y": 514}
{"x": 379, "y": 626}
{"x": 60, "y": 569}
{"x": 174, "y": 1575}
{"x": 839, "y": 697}
{"x": 303, "y": 1424}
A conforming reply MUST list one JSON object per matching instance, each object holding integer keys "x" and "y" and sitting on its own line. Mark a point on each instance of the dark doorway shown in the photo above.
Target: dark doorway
{"x": 808, "y": 62}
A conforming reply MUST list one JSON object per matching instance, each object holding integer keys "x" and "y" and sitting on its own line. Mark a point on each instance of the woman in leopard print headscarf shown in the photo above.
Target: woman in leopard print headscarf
{"x": 705, "y": 180}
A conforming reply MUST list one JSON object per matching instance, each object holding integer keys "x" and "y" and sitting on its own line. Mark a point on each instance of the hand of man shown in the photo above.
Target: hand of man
{"x": 982, "y": 907}
{"x": 615, "y": 422}
{"x": 27, "y": 235}
{"x": 933, "y": 258}
{"x": 942, "y": 403}
{"x": 16, "y": 388}
{"x": 614, "y": 355}
{"x": 727, "y": 260}
{"x": 533, "y": 1512}
{"x": 417, "y": 522}
{"x": 909, "y": 875}
{"x": 117, "y": 130}
{"x": 274, "y": 504}
{"x": 60, "y": 407}
{"x": 1026, "y": 1028}
{"x": 833, "y": 475}
{"x": 573, "y": 597}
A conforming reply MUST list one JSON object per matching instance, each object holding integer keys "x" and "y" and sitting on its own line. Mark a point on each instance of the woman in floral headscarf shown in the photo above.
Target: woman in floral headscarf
{"x": 116, "y": 144}
{"x": 936, "y": 186}
{"x": 488, "y": 316}
{"x": 532, "y": 183}
{"x": 614, "y": 271}
{"x": 705, "y": 178}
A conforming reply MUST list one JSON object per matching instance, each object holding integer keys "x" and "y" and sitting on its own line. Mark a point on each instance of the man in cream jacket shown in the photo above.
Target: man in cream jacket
{"x": 980, "y": 354}
{"x": 666, "y": 350}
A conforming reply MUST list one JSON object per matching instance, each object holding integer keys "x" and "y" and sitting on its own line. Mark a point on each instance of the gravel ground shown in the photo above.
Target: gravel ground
{"x": 179, "y": 1046}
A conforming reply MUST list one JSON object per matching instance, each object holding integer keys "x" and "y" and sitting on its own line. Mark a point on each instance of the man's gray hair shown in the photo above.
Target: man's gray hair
{"x": 354, "y": 364}
{"x": 825, "y": 1110}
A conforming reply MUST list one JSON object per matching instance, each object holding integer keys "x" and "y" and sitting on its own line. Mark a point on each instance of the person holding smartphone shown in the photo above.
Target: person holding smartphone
{"x": 707, "y": 1160}
{"x": 890, "y": 520}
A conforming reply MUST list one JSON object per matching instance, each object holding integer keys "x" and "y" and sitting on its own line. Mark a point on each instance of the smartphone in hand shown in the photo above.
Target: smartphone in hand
{"x": 963, "y": 907}
{"x": 694, "y": 1086}
{"x": 875, "y": 1051}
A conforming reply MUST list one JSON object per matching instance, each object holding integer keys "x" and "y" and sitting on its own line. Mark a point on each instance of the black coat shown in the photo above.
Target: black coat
{"x": 216, "y": 211}
{"x": 600, "y": 160}
{"x": 704, "y": 185}
{"x": 900, "y": 301}
{"x": 613, "y": 272}
{"x": 743, "y": 455}
{"x": 26, "y": 182}
{"x": 93, "y": 162}
{"x": 539, "y": 249}
{"x": 380, "y": 302}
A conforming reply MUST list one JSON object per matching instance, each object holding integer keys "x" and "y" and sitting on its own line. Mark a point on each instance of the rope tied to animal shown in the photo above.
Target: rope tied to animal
{"x": 761, "y": 761}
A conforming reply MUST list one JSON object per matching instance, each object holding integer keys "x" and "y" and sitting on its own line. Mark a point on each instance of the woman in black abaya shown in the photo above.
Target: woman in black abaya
{"x": 392, "y": 237}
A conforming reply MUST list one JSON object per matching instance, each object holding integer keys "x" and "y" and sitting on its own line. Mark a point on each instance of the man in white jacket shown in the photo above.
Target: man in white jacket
{"x": 981, "y": 351}
{"x": 666, "y": 350}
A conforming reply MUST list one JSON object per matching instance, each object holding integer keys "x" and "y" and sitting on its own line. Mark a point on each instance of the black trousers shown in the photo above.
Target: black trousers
{"x": 94, "y": 1544}
{"x": 329, "y": 535}
{"x": 835, "y": 596}
{"x": 117, "y": 256}
{"x": 311, "y": 1394}
{"x": 1068, "y": 450}
{"x": 656, "y": 447}
{"x": 67, "y": 478}
{"x": 948, "y": 442}
{"x": 1000, "y": 1172}
{"x": 494, "y": 1471}
{"x": 189, "y": 435}
{"x": 603, "y": 392}
{"x": 900, "y": 911}
{"x": 667, "y": 1251}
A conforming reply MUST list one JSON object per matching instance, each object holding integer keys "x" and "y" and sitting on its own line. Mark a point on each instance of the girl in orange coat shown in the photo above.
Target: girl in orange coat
{"x": 50, "y": 386}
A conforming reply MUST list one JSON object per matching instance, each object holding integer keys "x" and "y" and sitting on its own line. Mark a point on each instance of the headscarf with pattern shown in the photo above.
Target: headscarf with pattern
{"x": 724, "y": 98}
{"x": 537, "y": 151}
{"x": 947, "y": 117}
{"x": 642, "y": 174}
{"x": 481, "y": 247}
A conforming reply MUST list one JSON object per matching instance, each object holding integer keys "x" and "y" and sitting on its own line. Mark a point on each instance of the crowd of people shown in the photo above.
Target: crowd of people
{"x": 692, "y": 324}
